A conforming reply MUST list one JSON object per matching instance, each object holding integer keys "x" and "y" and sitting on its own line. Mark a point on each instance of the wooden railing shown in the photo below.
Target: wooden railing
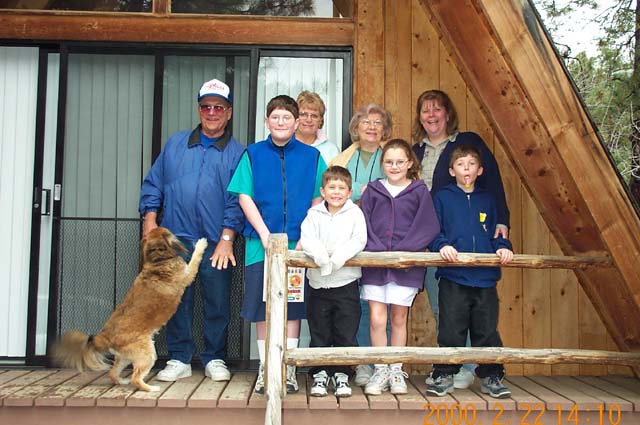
{"x": 279, "y": 257}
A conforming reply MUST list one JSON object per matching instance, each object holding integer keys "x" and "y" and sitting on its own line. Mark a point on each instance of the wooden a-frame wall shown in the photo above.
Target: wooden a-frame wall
{"x": 496, "y": 64}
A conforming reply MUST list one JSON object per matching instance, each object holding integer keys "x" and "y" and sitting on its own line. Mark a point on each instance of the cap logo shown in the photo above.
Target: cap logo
{"x": 215, "y": 88}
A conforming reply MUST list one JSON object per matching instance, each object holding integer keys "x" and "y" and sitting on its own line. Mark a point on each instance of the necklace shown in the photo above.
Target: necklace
{"x": 371, "y": 161}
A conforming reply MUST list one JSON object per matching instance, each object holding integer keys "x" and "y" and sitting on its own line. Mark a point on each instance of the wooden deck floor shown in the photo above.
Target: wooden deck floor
{"x": 63, "y": 397}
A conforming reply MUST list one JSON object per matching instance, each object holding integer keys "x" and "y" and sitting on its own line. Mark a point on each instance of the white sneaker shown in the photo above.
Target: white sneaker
{"x": 319, "y": 387}
{"x": 363, "y": 375}
{"x": 174, "y": 370}
{"x": 292, "y": 381}
{"x": 461, "y": 380}
{"x": 341, "y": 384}
{"x": 379, "y": 381}
{"x": 259, "y": 388}
{"x": 217, "y": 370}
{"x": 396, "y": 381}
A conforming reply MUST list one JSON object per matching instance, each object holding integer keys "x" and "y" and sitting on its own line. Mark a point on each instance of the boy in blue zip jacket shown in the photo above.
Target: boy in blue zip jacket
{"x": 468, "y": 297}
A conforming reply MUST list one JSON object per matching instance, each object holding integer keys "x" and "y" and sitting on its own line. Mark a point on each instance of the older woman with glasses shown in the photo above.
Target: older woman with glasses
{"x": 310, "y": 123}
{"x": 370, "y": 126}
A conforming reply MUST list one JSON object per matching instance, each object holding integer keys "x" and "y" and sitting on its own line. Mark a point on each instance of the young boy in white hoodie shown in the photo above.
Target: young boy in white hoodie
{"x": 332, "y": 233}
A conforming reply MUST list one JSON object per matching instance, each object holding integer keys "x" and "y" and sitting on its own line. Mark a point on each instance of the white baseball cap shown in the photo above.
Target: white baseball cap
{"x": 215, "y": 88}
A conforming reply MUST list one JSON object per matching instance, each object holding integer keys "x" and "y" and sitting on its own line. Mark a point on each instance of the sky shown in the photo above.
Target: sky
{"x": 578, "y": 29}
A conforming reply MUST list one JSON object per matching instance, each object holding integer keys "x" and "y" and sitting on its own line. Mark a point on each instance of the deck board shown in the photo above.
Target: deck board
{"x": 26, "y": 395}
{"x": 537, "y": 397}
{"x": 612, "y": 388}
{"x": 57, "y": 395}
{"x": 559, "y": 384}
{"x": 149, "y": 398}
{"x": 412, "y": 400}
{"x": 88, "y": 395}
{"x": 177, "y": 395}
{"x": 551, "y": 399}
{"x": 22, "y": 381}
{"x": 298, "y": 400}
{"x": 206, "y": 395}
{"x": 357, "y": 401}
{"x": 238, "y": 391}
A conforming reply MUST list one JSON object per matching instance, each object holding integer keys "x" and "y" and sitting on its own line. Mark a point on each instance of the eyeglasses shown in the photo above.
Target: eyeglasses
{"x": 390, "y": 163}
{"x": 305, "y": 115}
{"x": 366, "y": 123}
{"x": 217, "y": 109}
{"x": 284, "y": 118}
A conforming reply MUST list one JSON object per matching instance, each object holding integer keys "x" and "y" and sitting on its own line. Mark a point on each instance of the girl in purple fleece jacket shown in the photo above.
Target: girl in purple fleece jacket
{"x": 400, "y": 216}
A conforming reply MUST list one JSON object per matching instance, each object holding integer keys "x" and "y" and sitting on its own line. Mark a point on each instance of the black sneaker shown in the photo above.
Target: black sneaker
{"x": 341, "y": 384}
{"x": 441, "y": 386}
{"x": 492, "y": 385}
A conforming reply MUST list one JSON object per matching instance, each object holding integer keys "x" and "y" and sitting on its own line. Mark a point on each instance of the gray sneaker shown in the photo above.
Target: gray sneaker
{"x": 493, "y": 386}
{"x": 363, "y": 375}
{"x": 292, "y": 381}
{"x": 441, "y": 386}
{"x": 259, "y": 388}
{"x": 461, "y": 380}
{"x": 379, "y": 381}
{"x": 397, "y": 385}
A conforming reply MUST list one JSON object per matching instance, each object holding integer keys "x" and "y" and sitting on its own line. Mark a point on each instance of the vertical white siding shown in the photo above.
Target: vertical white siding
{"x": 292, "y": 75}
{"x": 18, "y": 91}
{"x": 108, "y": 132}
{"x": 48, "y": 175}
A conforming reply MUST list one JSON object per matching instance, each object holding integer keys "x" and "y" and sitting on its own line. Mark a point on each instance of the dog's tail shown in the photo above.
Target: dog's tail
{"x": 79, "y": 351}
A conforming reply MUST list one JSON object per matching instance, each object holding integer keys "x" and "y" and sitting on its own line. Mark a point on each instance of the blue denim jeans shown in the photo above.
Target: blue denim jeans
{"x": 214, "y": 288}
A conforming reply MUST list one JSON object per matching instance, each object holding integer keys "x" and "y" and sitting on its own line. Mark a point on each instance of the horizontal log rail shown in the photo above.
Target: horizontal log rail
{"x": 401, "y": 259}
{"x": 279, "y": 257}
{"x": 454, "y": 355}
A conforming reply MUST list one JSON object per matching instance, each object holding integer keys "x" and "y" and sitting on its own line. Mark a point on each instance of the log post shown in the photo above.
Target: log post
{"x": 276, "y": 312}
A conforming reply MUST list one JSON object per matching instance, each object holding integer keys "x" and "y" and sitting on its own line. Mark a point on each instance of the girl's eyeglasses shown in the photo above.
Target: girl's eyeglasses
{"x": 389, "y": 163}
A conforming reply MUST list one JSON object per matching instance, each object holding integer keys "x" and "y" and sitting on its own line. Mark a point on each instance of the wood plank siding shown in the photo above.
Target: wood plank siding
{"x": 507, "y": 86}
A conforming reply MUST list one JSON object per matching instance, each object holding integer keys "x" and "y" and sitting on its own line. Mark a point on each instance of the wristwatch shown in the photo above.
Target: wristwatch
{"x": 226, "y": 238}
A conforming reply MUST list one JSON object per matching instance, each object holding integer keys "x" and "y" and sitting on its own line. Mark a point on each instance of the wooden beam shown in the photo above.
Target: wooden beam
{"x": 453, "y": 355}
{"x": 276, "y": 312}
{"x": 161, "y": 7}
{"x": 509, "y": 65}
{"x": 344, "y": 7}
{"x": 398, "y": 259}
{"x": 369, "y": 64}
{"x": 120, "y": 27}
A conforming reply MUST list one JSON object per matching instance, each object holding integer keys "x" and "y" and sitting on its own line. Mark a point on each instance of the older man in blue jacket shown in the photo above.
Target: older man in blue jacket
{"x": 188, "y": 183}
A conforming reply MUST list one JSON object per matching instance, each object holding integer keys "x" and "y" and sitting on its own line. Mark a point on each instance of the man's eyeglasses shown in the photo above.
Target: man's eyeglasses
{"x": 366, "y": 123}
{"x": 218, "y": 109}
{"x": 389, "y": 163}
{"x": 305, "y": 115}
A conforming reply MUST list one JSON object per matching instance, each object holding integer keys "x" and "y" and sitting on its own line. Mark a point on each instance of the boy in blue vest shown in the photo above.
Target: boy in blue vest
{"x": 467, "y": 297}
{"x": 276, "y": 181}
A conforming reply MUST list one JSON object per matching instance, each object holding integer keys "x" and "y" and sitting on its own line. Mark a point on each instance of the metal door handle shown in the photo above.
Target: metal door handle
{"x": 47, "y": 202}
{"x": 38, "y": 201}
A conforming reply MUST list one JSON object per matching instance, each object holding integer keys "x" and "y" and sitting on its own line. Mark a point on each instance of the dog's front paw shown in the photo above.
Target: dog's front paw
{"x": 201, "y": 245}
{"x": 123, "y": 381}
{"x": 154, "y": 388}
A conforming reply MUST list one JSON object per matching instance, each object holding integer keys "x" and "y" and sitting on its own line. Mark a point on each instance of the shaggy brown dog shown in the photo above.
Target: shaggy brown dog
{"x": 149, "y": 304}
